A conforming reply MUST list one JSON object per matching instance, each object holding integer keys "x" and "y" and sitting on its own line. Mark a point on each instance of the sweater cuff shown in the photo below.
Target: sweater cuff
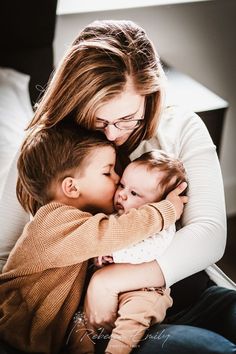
{"x": 167, "y": 211}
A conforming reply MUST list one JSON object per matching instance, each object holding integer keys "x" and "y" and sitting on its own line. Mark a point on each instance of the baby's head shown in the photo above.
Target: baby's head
{"x": 148, "y": 179}
{"x": 70, "y": 165}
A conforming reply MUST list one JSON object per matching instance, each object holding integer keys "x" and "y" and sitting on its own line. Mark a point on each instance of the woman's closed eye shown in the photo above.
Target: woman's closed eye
{"x": 127, "y": 118}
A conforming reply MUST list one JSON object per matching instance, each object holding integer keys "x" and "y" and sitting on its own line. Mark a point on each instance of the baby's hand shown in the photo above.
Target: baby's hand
{"x": 177, "y": 200}
{"x": 100, "y": 261}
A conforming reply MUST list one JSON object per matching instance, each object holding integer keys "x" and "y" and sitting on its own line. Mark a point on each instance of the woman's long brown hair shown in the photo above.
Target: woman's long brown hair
{"x": 95, "y": 69}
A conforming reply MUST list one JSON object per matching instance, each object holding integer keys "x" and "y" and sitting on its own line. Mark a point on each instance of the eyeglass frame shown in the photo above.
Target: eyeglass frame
{"x": 138, "y": 123}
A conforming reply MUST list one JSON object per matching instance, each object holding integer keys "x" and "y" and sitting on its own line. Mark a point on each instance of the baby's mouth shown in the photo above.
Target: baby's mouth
{"x": 119, "y": 208}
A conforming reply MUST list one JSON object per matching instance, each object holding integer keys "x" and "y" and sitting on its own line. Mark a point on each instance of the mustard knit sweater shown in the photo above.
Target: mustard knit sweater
{"x": 42, "y": 281}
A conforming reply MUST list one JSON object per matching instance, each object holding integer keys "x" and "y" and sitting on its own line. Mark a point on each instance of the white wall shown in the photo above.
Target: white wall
{"x": 197, "y": 39}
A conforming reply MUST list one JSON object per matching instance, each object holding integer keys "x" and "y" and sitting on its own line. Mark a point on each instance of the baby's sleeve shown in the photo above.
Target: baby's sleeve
{"x": 147, "y": 250}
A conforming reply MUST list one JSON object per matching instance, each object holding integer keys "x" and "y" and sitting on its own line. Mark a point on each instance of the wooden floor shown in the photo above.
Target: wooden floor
{"x": 228, "y": 262}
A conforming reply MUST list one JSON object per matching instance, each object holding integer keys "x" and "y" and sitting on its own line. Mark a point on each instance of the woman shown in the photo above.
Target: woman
{"x": 111, "y": 80}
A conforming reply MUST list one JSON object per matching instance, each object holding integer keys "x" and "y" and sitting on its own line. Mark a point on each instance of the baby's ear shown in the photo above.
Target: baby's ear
{"x": 70, "y": 187}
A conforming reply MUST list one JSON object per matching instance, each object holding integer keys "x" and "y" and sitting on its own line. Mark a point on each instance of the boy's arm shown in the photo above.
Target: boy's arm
{"x": 73, "y": 236}
{"x": 70, "y": 236}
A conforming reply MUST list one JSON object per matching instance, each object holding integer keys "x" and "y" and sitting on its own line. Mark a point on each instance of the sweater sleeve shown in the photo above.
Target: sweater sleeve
{"x": 73, "y": 236}
{"x": 201, "y": 241}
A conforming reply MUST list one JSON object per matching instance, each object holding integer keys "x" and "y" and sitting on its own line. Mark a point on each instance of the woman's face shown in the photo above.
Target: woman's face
{"x": 127, "y": 106}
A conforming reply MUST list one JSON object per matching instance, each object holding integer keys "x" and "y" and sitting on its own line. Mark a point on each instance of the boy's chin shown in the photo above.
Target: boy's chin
{"x": 109, "y": 210}
{"x": 106, "y": 210}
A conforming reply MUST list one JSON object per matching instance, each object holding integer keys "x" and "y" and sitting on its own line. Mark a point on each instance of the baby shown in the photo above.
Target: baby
{"x": 147, "y": 179}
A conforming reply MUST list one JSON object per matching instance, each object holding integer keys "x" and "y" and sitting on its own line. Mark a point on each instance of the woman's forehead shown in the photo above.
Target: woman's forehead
{"x": 126, "y": 104}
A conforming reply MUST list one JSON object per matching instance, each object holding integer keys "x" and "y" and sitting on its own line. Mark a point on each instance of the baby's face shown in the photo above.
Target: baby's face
{"x": 137, "y": 186}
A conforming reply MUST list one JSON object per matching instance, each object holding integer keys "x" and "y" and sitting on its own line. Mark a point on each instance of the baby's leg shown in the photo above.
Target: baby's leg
{"x": 137, "y": 311}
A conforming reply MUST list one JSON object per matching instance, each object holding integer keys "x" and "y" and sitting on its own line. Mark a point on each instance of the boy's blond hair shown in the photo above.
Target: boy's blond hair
{"x": 50, "y": 155}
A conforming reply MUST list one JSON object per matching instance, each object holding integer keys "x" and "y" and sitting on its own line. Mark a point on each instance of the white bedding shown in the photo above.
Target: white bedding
{"x": 15, "y": 113}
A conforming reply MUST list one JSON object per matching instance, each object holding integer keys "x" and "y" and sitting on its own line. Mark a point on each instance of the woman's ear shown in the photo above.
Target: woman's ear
{"x": 70, "y": 187}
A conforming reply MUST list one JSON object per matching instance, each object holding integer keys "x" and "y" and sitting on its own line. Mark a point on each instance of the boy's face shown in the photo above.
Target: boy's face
{"x": 137, "y": 186}
{"x": 98, "y": 182}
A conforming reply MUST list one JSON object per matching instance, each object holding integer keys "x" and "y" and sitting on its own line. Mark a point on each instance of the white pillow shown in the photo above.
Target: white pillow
{"x": 15, "y": 114}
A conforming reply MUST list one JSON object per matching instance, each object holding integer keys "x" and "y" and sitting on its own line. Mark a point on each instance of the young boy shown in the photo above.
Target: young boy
{"x": 70, "y": 174}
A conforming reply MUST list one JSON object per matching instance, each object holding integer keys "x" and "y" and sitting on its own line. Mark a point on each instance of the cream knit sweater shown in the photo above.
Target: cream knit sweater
{"x": 201, "y": 240}
{"x": 42, "y": 281}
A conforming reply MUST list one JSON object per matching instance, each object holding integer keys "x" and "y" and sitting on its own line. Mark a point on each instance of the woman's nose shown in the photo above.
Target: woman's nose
{"x": 111, "y": 132}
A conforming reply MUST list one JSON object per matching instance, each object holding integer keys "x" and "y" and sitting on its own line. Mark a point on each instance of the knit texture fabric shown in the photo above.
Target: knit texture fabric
{"x": 42, "y": 281}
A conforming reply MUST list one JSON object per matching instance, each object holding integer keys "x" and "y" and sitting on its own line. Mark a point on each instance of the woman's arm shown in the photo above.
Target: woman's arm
{"x": 201, "y": 240}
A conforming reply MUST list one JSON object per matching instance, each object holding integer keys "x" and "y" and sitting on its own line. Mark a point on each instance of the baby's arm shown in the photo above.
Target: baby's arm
{"x": 146, "y": 250}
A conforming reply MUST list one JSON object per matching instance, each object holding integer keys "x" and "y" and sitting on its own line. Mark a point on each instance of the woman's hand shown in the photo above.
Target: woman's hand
{"x": 177, "y": 200}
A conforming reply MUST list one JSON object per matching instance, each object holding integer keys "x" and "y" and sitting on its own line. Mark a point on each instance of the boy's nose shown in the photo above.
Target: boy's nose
{"x": 116, "y": 178}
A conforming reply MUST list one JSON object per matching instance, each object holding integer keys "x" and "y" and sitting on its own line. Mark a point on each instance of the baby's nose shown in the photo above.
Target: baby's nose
{"x": 123, "y": 195}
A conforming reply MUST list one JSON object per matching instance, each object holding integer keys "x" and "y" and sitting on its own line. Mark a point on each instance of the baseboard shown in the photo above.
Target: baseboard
{"x": 230, "y": 197}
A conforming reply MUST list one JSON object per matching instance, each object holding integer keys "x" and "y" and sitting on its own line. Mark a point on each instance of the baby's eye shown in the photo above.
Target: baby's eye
{"x": 134, "y": 193}
{"x": 107, "y": 174}
{"x": 121, "y": 185}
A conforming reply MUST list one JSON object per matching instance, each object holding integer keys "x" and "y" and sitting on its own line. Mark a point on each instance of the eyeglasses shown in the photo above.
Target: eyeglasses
{"x": 120, "y": 124}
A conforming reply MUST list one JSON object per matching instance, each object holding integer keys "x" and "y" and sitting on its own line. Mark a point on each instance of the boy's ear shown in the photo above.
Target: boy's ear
{"x": 70, "y": 187}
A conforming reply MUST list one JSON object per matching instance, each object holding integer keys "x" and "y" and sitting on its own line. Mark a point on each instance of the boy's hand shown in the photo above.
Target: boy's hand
{"x": 101, "y": 301}
{"x": 100, "y": 261}
{"x": 177, "y": 200}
